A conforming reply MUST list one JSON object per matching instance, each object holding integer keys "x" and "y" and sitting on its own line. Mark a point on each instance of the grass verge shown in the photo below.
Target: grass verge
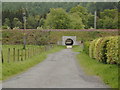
{"x": 108, "y": 73}
{"x": 11, "y": 69}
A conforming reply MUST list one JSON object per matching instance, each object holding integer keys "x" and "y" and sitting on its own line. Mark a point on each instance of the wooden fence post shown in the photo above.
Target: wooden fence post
{"x": 45, "y": 47}
{"x": 8, "y": 55}
{"x": 39, "y": 50}
{"x": 36, "y": 51}
{"x": 25, "y": 54}
{"x": 33, "y": 51}
{"x": 18, "y": 54}
{"x": 28, "y": 52}
{"x": 2, "y": 56}
{"x": 22, "y": 55}
{"x": 13, "y": 54}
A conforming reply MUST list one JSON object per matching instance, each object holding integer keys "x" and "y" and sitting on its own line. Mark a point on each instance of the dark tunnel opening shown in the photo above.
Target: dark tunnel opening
{"x": 69, "y": 42}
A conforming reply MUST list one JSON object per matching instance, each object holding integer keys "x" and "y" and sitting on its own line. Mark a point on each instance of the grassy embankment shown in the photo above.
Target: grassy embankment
{"x": 108, "y": 73}
{"x": 13, "y": 68}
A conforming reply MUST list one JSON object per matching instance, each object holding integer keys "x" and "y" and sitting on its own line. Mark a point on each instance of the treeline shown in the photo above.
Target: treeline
{"x": 60, "y": 15}
{"x": 39, "y": 8}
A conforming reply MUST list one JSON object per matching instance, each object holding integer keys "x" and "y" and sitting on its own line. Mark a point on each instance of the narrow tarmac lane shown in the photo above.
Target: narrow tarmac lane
{"x": 59, "y": 70}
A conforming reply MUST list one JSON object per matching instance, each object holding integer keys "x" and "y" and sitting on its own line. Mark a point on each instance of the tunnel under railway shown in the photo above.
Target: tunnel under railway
{"x": 69, "y": 42}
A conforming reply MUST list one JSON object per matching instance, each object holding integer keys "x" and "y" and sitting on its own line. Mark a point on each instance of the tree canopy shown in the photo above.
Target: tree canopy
{"x": 57, "y": 19}
{"x": 62, "y": 15}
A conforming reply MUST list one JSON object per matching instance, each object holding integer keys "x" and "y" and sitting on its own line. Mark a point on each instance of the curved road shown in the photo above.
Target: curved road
{"x": 59, "y": 70}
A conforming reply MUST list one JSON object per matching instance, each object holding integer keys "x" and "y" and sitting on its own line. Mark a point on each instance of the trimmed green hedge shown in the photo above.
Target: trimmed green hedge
{"x": 105, "y": 50}
{"x": 92, "y": 48}
{"x": 101, "y": 50}
{"x": 112, "y": 51}
{"x": 86, "y": 47}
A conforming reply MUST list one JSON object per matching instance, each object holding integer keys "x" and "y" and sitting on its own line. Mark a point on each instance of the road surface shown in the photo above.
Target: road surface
{"x": 59, "y": 70}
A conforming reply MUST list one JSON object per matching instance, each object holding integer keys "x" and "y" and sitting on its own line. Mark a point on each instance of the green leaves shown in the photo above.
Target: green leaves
{"x": 31, "y": 22}
{"x": 105, "y": 50}
{"x": 7, "y": 22}
{"x": 60, "y": 19}
{"x": 112, "y": 50}
{"x": 82, "y": 12}
{"x": 17, "y": 23}
{"x": 76, "y": 21}
{"x": 86, "y": 47}
{"x": 108, "y": 19}
{"x": 57, "y": 19}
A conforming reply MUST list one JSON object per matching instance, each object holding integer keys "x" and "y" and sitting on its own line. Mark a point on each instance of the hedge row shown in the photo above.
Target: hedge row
{"x": 86, "y": 47}
{"x": 105, "y": 50}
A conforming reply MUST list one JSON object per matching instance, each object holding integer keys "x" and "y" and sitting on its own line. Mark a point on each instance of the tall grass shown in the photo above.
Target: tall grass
{"x": 13, "y": 68}
{"x": 107, "y": 72}
{"x": 10, "y": 55}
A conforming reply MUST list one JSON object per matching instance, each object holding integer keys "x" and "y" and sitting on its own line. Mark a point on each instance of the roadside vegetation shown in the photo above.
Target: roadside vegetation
{"x": 40, "y": 37}
{"x": 13, "y": 68}
{"x": 104, "y": 49}
{"x": 101, "y": 57}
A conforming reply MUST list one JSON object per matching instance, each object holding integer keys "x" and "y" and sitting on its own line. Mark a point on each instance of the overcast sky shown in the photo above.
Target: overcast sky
{"x": 59, "y": 0}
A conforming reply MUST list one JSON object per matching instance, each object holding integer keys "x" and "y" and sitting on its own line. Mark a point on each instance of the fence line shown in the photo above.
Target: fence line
{"x": 17, "y": 55}
{"x": 8, "y": 55}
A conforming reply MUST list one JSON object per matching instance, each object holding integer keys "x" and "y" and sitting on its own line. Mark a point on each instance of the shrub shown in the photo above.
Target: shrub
{"x": 96, "y": 48}
{"x": 86, "y": 47}
{"x": 105, "y": 50}
{"x": 112, "y": 51}
{"x": 91, "y": 48}
{"x": 101, "y": 50}
{"x": 5, "y": 27}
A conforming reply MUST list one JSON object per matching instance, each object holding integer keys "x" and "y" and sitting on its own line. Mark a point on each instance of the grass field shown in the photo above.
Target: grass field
{"x": 108, "y": 73}
{"x": 13, "y": 56}
{"x": 13, "y": 68}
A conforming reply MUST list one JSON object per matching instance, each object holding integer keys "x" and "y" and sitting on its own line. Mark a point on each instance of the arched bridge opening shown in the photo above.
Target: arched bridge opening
{"x": 69, "y": 41}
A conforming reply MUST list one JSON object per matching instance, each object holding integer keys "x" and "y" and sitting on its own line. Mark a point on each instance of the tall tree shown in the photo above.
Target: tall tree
{"x": 57, "y": 19}
{"x": 17, "y": 23}
{"x": 82, "y": 12}
{"x": 76, "y": 22}
{"x": 90, "y": 23}
{"x": 41, "y": 22}
{"x": 7, "y": 22}
{"x": 31, "y": 22}
{"x": 108, "y": 19}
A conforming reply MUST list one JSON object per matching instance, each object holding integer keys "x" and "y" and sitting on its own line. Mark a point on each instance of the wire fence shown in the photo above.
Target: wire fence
{"x": 17, "y": 54}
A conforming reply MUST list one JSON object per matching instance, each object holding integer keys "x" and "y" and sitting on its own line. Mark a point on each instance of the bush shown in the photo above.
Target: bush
{"x": 5, "y": 27}
{"x": 86, "y": 47}
{"x": 101, "y": 50}
{"x": 96, "y": 48}
{"x": 112, "y": 51}
{"x": 105, "y": 50}
{"x": 91, "y": 48}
